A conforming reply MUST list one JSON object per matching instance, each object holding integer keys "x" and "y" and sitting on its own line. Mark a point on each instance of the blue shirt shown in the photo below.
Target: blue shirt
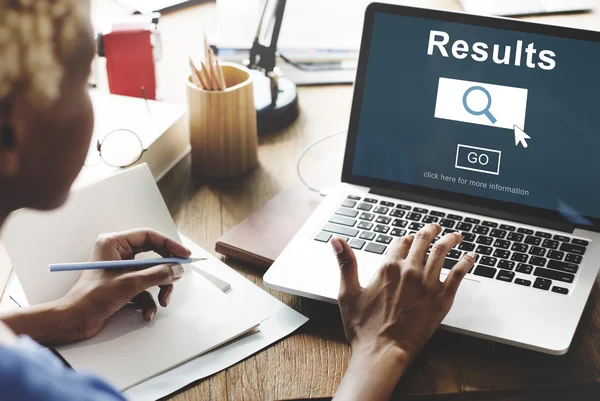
{"x": 29, "y": 372}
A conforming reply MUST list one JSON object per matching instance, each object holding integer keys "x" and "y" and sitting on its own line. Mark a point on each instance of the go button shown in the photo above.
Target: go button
{"x": 481, "y": 160}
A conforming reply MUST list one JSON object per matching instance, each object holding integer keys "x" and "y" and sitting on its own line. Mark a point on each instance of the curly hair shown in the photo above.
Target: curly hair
{"x": 36, "y": 39}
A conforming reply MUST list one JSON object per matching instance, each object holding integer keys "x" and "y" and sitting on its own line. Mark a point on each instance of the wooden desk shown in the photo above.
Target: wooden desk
{"x": 310, "y": 363}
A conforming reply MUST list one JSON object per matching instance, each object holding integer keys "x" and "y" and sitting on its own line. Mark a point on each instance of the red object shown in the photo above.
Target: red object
{"x": 130, "y": 63}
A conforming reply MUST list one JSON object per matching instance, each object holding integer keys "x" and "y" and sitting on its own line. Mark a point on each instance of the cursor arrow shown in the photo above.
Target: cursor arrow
{"x": 521, "y": 137}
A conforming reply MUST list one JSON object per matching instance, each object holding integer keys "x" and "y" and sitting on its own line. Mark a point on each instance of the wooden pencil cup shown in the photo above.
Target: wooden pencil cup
{"x": 223, "y": 131}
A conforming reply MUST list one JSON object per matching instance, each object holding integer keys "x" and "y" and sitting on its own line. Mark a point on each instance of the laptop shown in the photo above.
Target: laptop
{"x": 525, "y": 7}
{"x": 487, "y": 126}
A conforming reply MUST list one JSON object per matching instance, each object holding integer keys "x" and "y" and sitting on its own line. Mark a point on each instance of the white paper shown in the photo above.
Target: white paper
{"x": 283, "y": 321}
{"x": 129, "y": 350}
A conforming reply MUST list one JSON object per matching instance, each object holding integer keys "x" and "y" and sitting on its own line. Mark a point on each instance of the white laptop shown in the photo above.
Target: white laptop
{"x": 487, "y": 126}
{"x": 525, "y": 7}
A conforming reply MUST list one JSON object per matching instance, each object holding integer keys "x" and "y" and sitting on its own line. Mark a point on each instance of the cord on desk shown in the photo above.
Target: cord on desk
{"x": 321, "y": 192}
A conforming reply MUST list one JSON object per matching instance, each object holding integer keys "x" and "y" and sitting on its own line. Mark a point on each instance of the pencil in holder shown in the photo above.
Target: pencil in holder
{"x": 223, "y": 131}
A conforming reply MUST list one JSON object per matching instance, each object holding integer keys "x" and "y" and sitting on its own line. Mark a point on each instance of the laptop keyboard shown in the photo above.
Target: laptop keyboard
{"x": 508, "y": 253}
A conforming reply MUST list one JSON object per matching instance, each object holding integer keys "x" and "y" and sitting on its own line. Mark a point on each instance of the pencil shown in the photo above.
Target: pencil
{"x": 213, "y": 70}
{"x": 220, "y": 74}
{"x": 121, "y": 264}
{"x": 205, "y": 73}
{"x": 195, "y": 76}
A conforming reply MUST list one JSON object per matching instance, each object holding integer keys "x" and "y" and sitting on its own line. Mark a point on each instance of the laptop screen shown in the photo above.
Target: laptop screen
{"x": 485, "y": 112}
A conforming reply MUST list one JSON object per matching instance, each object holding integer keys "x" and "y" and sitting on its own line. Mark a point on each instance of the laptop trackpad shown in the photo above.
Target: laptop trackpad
{"x": 461, "y": 311}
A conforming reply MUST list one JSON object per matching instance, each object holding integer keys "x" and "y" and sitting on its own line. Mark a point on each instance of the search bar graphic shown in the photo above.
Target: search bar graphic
{"x": 480, "y": 103}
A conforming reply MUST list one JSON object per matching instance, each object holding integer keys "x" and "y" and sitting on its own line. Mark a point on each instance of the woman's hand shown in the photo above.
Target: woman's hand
{"x": 98, "y": 294}
{"x": 388, "y": 322}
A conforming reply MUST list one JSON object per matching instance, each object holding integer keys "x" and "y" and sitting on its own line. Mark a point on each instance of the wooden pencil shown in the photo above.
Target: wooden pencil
{"x": 205, "y": 73}
{"x": 220, "y": 75}
{"x": 213, "y": 70}
{"x": 195, "y": 76}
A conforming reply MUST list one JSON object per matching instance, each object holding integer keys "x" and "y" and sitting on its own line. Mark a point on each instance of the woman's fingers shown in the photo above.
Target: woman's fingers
{"x": 349, "y": 284}
{"x": 146, "y": 303}
{"x": 164, "y": 296}
{"x": 141, "y": 280}
{"x": 456, "y": 275}
{"x": 421, "y": 243}
{"x": 399, "y": 248}
{"x": 143, "y": 240}
{"x": 437, "y": 256}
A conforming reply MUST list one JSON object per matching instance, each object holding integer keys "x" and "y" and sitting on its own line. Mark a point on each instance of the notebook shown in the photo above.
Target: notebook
{"x": 129, "y": 350}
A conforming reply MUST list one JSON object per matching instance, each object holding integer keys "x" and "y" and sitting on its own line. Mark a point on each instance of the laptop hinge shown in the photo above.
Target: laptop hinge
{"x": 519, "y": 218}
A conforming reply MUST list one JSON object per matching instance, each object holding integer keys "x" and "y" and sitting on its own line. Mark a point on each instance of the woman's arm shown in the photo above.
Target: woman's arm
{"x": 388, "y": 322}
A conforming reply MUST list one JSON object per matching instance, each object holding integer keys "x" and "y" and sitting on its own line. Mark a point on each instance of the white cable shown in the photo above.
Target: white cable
{"x": 305, "y": 151}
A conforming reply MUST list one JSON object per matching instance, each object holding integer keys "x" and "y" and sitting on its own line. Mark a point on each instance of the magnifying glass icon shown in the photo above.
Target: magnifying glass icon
{"x": 486, "y": 109}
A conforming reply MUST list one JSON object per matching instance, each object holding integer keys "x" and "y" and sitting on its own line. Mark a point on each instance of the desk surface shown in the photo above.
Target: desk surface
{"x": 310, "y": 363}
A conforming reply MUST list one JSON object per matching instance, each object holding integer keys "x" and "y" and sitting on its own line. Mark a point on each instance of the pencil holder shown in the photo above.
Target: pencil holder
{"x": 223, "y": 131}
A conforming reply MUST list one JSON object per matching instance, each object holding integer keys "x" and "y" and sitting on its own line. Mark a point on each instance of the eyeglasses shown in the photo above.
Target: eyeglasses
{"x": 119, "y": 148}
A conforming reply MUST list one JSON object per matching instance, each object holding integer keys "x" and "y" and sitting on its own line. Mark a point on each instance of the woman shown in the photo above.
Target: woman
{"x": 46, "y": 121}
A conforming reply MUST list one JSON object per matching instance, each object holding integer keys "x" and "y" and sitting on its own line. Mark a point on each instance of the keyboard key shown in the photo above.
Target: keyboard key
{"x": 485, "y": 271}
{"x": 515, "y": 237}
{"x": 323, "y": 237}
{"x": 383, "y": 220}
{"x": 365, "y": 206}
{"x": 375, "y": 248}
{"x": 519, "y": 248}
{"x": 498, "y": 233}
{"x": 384, "y": 239}
{"x": 560, "y": 290}
{"x": 354, "y": 197}
{"x": 398, "y": 232}
{"x": 369, "y": 236}
{"x": 379, "y": 228}
{"x": 364, "y": 225}
{"x": 414, "y": 216}
{"x": 464, "y": 226}
{"x": 519, "y": 257}
{"x": 403, "y": 207}
{"x": 367, "y": 216}
{"x": 502, "y": 244}
{"x": 400, "y": 223}
{"x": 345, "y": 221}
{"x": 484, "y": 250}
{"x": 506, "y": 227}
{"x": 416, "y": 226}
{"x": 336, "y": 229}
{"x": 466, "y": 246}
{"x": 430, "y": 219}
{"x": 454, "y": 254}
{"x": 537, "y": 261}
{"x": 420, "y": 210}
{"x": 485, "y": 240}
{"x": 576, "y": 249}
{"x": 554, "y": 275}
{"x": 580, "y": 242}
{"x": 447, "y": 223}
{"x": 342, "y": 211}
{"x": 506, "y": 264}
{"x": 397, "y": 213}
{"x": 349, "y": 203}
{"x": 501, "y": 253}
{"x": 385, "y": 203}
{"x": 524, "y": 268}
{"x": 381, "y": 210}
{"x": 543, "y": 234}
{"x": 454, "y": 217}
{"x": 489, "y": 224}
{"x": 481, "y": 230}
{"x": 531, "y": 240}
{"x": 563, "y": 267}
{"x": 556, "y": 255}
{"x": 371, "y": 200}
{"x": 488, "y": 261}
{"x": 551, "y": 244}
{"x": 437, "y": 214}
{"x": 525, "y": 231}
{"x": 448, "y": 231}
{"x": 472, "y": 220}
{"x": 356, "y": 243}
{"x": 537, "y": 251}
{"x": 562, "y": 238}
{"x": 469, "y": 237}
{"x": 573, "y": 258}
{"x": 542, "y": 284}
{"x": 504, "y": 275}
{"x": 520, "y": 281}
